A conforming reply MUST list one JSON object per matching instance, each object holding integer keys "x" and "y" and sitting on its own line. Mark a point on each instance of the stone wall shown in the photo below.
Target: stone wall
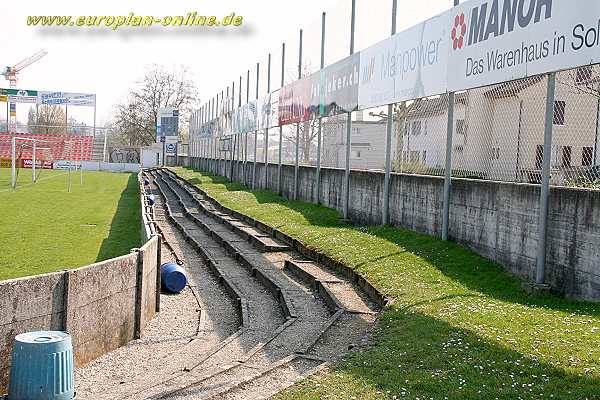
{"x": 495, "y": 219}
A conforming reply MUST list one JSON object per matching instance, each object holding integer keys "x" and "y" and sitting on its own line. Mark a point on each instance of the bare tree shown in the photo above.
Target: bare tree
{"x": 46, "y": 119}
{"x": 137, "y": 116}
{"x": 400, "y": 113}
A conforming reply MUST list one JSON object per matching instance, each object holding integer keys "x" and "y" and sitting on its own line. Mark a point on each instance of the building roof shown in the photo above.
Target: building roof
{"x": 512, "y": 88}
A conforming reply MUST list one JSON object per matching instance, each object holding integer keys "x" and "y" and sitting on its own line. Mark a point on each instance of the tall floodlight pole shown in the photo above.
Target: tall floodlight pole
{"x": 320, "y": 128}
{"x": 349, "y": 123}
{"x": 448, "y": 171}
{"x": 388, "y": 141}
{"x": 266, "y": 136}
{"x": 297, "y": 163}
{"x": 279, "y": 155}
{"x": 256, "y": 131}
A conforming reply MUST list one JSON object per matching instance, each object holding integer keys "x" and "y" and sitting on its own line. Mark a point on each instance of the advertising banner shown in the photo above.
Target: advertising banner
{"x": 267, "y": 110}
{"x": 74, "y": 99}
{"x": 295, "y": 100}
{"x": 19, "y": 96}
{"x": 336, "y": 90}
{"x": 41, "y": 164}
{"x": 409, "y": 65}
{"x": 502, "y": 40}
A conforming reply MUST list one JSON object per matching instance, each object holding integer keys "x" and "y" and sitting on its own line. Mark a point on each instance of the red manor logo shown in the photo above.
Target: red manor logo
{"x": 459, "y": 31}
{"x": 495, "y": 18}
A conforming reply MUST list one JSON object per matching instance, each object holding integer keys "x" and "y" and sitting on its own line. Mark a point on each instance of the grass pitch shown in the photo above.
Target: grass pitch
{"x": 460, "y": 327}
{"x": 44, "y": 228}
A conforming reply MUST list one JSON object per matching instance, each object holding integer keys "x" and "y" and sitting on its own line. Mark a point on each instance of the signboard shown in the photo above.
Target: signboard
{"x": 295, "y": 100}
{"x": 41, "y": 164}
{"x": 409, "y": 65}
{"x": 501, "y": 40}
{"x": 59, "y": 98}
{"x": 336, "y": 90}
{"x": 167, "y": 123}
{"x": 170, "y": 148}
{"x": 267, "y": 110}
{"x": 19, "y": 96}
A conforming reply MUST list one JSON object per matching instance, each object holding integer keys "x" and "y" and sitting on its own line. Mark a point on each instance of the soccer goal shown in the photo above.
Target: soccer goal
{"x": 30, "y": 153}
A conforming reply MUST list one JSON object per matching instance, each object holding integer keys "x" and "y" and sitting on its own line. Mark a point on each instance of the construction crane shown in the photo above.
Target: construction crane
{"x": 11, "y": 74}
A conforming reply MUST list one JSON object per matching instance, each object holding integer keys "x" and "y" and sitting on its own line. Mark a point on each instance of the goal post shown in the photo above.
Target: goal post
{"x": 15, "y": 158}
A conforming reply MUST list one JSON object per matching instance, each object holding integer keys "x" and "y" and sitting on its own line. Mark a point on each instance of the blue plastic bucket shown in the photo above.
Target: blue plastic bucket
{"x": 173, "y": 278}
{"x": 42, "y": 367}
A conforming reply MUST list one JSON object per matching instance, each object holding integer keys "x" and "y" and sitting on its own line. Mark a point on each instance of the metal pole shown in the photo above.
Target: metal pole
{"x": 349, "y": 123}
{"x": 256, "y": 131}
{"x": 266, "y": 141}
{"x": 13, "y": 165}
{"x": 94, "y": 129}
{"x": 33, "y": 163}
{"x": 297, "y": 164}
{"x": 448, "y": 171}
{"x": 66, "y": 119}
{"x": 388, "y": 141}
{"x": 105, "y": 144}
{"x": 545, "y": 186}
{"x": 81, "y": 160}
{"x": 279, "y": 161}
{"x": 320, "y": 128}
{"x": 246, "y": 133}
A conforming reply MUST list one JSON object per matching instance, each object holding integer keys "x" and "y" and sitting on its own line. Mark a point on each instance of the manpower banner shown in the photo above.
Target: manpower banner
{"x": 501, "y": 40}
{"x": 408, "y": 65}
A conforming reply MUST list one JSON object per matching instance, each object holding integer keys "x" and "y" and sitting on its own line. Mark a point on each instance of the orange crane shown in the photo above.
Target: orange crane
{"x": 11, "y": 74}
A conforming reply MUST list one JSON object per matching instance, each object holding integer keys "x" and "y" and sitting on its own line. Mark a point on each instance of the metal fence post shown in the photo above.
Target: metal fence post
{"x": 320, "y": 128}
{"x": 540, "y": 271}
{"x": 388, "y": 142}
{"x": 246, "y": 133}
{"x": 256, "y": 131}
{"x": 266, "y": 141}
{"x": 346, "y": 199}
{"x": 279, "y": 161}
{"x": 297, "y": 164}
{"x": 448, "y": 171}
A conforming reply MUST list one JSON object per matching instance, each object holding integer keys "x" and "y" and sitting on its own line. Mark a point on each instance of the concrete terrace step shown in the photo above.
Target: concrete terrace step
{"x": 260, "y": 239}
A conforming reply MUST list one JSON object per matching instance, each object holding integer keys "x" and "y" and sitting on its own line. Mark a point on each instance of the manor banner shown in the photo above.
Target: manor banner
{"x": 493, "y": 41}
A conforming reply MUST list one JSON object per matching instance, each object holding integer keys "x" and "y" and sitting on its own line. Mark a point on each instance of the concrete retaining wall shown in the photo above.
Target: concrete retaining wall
{"x": 103, "y": 306}
{"x": 497, "y": 220}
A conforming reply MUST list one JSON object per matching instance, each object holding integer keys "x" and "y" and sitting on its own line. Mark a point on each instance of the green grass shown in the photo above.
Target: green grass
{"x": 44, "y": 228}
{"x": 459, "y": 328}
